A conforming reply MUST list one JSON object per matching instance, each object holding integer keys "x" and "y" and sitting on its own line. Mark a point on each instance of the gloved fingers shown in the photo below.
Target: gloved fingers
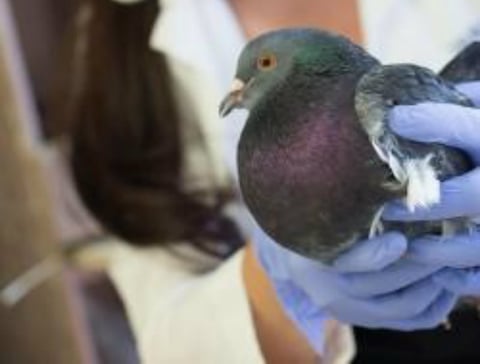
{"x": 295, "y": 301}
{"x": 465, "y": 282}
{"x": 434, "y": 315}
{"x": 372, "y": 254}
{"x": 472, "y": 90}
{"x": 406, "y": 302}
{"x": 322, "y": 286}
{"x": 325, "y": 287}
{"x": 272, "y": 256}
{"x": 307, "y": 316}
{"x": 314, "y": 330}
{"x": 325, "y": 284}
{"x": 397, "y": 305}
{"x": 398, "y": 275}
{"x": 292, "y": 274}
{"x": 460, "y": 196}
{"x": 452, "y": 125}
{"x": 458, "y": 251}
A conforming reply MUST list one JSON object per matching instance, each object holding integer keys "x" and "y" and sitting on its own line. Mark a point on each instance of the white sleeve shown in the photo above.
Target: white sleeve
{"x": 193, "y": 310}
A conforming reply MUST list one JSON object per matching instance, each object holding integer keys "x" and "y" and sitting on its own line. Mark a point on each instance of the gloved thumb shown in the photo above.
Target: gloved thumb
{"x": 372, "y": 254}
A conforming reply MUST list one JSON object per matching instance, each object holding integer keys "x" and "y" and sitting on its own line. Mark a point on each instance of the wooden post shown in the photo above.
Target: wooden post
{"x": 40, "y": 328}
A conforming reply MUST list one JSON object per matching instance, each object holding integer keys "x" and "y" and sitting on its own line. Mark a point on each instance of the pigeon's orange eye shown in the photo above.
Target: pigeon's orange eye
{"x": 267, "y": 62}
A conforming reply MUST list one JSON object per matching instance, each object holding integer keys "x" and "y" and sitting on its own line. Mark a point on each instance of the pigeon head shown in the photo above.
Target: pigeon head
{"x": 269, "y": 60}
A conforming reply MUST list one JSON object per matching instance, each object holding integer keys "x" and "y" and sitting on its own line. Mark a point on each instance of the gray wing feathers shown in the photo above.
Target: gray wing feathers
{"x": 417, "y": 167}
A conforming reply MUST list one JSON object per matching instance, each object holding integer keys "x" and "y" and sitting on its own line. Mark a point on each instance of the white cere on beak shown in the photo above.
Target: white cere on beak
{"x": 234, "y": 98}
{"x": 237, "y": 86}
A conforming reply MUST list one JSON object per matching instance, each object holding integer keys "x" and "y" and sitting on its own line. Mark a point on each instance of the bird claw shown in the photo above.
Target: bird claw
{"x": 376, "y": 227}
{"x": 447, "y": 324}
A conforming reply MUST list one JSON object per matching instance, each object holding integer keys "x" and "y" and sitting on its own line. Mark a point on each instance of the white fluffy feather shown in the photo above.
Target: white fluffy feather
{"x": 423, "y": 186}
{"x": 418, "y": 175}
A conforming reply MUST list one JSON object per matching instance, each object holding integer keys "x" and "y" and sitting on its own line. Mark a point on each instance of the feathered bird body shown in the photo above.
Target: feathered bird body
{"x": 314, "y": 157}
{"x": 317, "y": 160}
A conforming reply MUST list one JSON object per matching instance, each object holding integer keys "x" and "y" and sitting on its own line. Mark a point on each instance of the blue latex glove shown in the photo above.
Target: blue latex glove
{"x": 371, "y": 285}
{"x": 458, "y": 127}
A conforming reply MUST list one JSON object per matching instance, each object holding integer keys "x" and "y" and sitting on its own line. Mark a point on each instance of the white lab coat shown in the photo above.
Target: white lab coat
{"x": 185, "y": 307}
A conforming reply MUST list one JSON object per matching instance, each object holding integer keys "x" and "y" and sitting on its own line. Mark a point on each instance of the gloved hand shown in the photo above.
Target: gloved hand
{"x": 458, "y": 127}
{"x": 371, "y": 285}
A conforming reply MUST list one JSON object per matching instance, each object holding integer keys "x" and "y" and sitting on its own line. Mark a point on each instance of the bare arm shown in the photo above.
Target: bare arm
{"x": 278, "y": 338}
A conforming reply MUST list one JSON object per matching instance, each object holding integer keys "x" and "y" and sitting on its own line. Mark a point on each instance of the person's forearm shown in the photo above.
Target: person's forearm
{"x": 278, "y": 338}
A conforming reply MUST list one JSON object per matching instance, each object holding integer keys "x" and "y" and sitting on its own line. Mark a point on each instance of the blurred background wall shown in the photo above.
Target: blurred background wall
{"x": 41, "y": 26}
{"x": 75, "y": 317}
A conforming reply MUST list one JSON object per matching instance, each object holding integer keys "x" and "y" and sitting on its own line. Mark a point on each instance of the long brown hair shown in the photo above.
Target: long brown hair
{"x": 114, "y": 100}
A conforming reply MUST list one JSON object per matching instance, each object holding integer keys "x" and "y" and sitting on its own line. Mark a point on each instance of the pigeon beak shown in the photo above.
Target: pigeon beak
{"x": 233, "y": 99}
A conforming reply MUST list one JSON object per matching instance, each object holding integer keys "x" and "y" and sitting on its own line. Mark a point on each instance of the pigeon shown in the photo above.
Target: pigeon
{"x": 317, "y": 160}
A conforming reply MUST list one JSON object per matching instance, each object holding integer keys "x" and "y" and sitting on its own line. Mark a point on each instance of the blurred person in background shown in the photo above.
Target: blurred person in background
{"x": 144, "y": 156}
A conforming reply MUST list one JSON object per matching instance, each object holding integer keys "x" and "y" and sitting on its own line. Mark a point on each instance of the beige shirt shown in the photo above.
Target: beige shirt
{"x": 185, "y": 307}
